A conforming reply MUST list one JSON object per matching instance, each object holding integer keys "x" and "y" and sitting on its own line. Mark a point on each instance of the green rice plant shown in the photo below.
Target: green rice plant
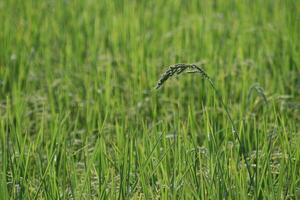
{"x": 180, "y": 68}
{"x": 78, "y": 119}
{"x": 260, "y": 91}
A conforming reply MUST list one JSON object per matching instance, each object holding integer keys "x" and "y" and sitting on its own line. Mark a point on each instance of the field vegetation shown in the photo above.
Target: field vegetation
{"x": 80, "y": 117}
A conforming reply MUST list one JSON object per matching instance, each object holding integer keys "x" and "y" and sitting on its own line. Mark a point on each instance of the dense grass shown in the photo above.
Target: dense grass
{"x": 80, "y": 117}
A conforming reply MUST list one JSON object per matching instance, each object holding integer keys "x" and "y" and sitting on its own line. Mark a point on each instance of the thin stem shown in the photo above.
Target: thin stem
{"x": 234, "y": 129}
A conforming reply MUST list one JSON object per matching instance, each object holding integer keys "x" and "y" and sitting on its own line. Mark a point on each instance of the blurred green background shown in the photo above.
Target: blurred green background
{"x": 80, "y": 117}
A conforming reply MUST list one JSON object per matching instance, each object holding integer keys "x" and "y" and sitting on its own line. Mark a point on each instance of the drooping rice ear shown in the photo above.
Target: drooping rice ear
{"x": 177, "y": 69}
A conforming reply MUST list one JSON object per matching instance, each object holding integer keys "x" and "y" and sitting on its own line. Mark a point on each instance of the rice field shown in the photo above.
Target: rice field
{"x": 81, "y": 118}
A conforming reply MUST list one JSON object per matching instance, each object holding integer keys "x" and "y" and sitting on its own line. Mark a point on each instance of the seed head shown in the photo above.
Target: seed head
{"x": 177, "y": 69}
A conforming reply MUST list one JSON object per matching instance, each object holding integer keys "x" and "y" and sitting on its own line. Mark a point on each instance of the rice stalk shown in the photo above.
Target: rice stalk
{"x": 178, "y": 69}
{"x": 260, "y": 91}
